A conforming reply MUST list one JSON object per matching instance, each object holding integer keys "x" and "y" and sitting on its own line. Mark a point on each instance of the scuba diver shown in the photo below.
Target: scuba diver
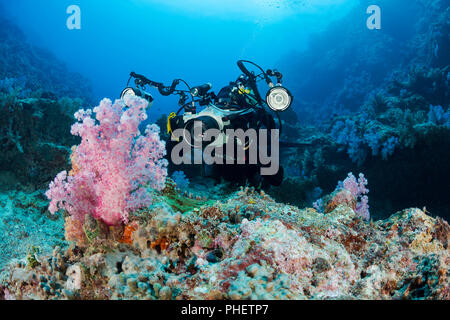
{"x": 237, "y": 106}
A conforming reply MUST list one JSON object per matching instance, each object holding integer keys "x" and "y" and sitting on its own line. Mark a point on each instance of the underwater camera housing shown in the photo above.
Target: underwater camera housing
{"x": 238, "y": 106}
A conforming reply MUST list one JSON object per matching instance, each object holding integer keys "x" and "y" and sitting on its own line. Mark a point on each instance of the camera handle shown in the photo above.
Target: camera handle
{"x": 241, "y": 65}
{"x": 252, "y": 78}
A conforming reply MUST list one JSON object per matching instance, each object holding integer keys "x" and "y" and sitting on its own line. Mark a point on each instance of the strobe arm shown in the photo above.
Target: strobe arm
{"x": 275, "y": 73}
{"x": 145, "y": 81}
{"x": 163, "y": 90}
{"x": 167, "y": 91}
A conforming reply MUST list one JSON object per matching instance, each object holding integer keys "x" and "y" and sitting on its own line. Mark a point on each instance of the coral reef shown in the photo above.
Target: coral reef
{"x": 118, "y": 228}
{"x": 245, "y": 247}
{"x": 36, "y": 69}
{"x": 385, "y": 114}
{"x": 38, "y": 97}
{"x": 180, "y": 179}
{"x": 35, "y": 139}
{"x": 401, "y": 142}
{"x": 414, "y": 36}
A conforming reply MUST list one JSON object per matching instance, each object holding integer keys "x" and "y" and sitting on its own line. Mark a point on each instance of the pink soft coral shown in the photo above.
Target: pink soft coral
{"x": 114, "y": 164}
{"x": 351, "y": 192}
{"x": 359, "y": 191}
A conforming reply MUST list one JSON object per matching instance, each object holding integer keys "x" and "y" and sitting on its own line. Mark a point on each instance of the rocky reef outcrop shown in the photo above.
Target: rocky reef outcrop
{"x": 36, "y": 69}
{"x": 38, "y": 97}
{"x": 35, "y": 139}
{"x": 246, "y": 246}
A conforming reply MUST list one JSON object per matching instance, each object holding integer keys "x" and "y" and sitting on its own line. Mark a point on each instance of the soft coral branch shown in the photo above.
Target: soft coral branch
{"x": 114, "y": 163}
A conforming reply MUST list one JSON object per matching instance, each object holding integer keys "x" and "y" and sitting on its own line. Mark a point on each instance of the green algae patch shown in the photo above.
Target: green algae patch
{"x": 183, "y": 204}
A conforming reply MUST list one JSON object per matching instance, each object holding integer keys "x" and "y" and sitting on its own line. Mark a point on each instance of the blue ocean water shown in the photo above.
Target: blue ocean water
{"x": 199, "y": 41}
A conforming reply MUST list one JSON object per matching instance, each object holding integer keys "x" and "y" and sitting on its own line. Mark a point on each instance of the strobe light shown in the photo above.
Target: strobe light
{"x": 129, "y": 91}
{"x": 279, "y": 98}
{"x": 202, "y": 90}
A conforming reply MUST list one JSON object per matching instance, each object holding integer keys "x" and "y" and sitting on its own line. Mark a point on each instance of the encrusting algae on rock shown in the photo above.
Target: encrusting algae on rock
{"x": 247, "y": 247}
